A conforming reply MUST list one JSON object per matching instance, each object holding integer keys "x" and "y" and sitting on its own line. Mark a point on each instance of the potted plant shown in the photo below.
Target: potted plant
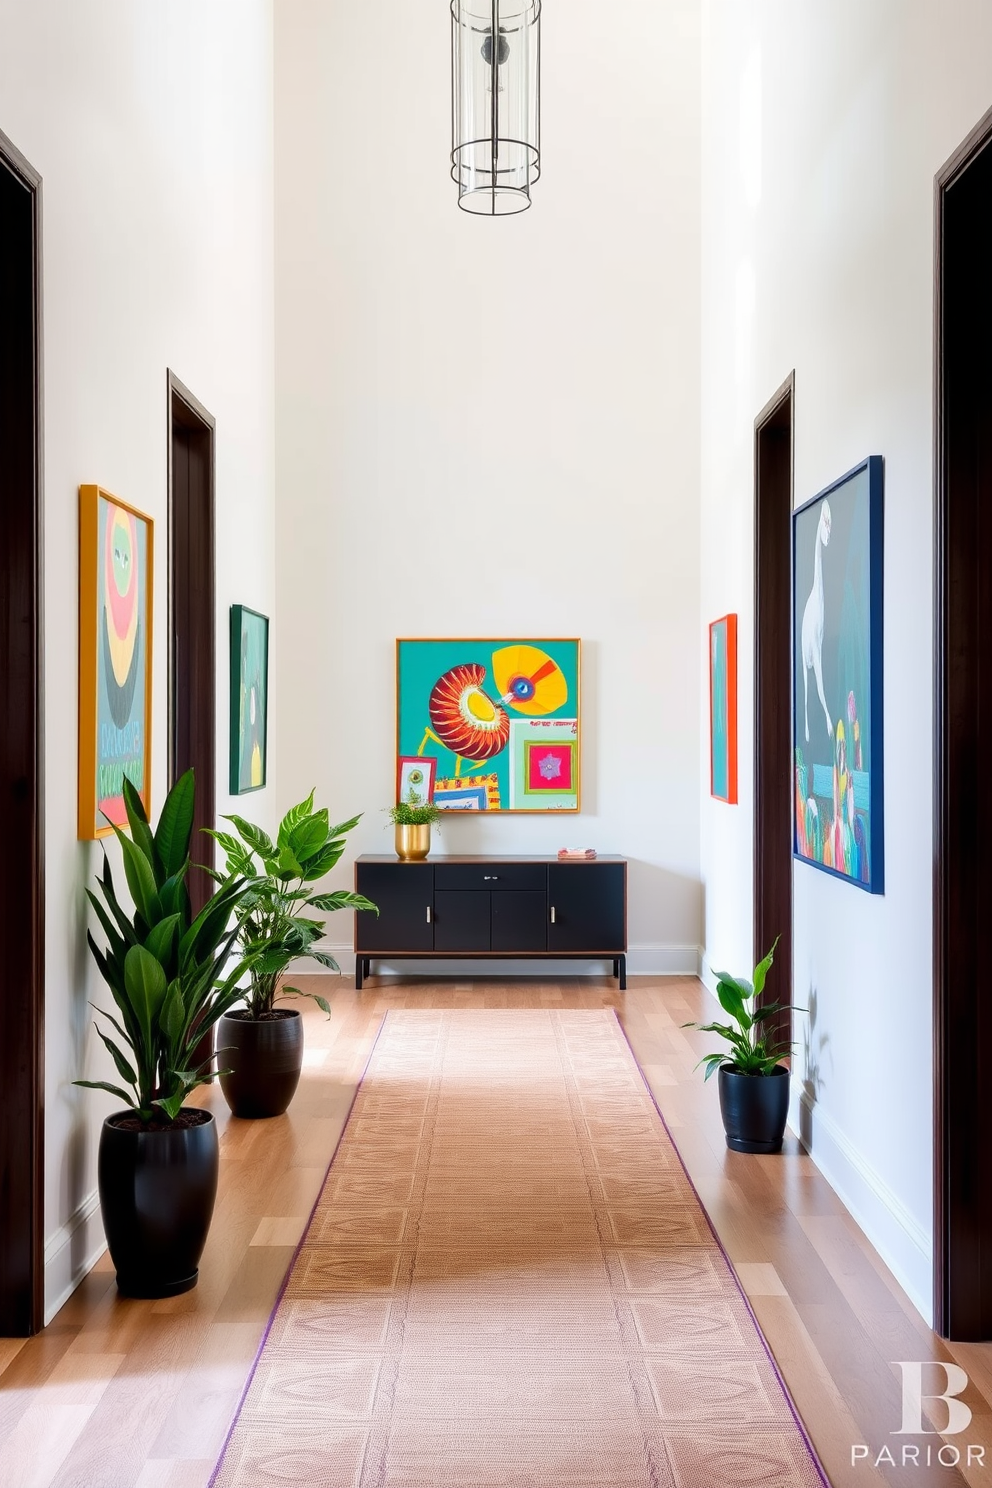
{"x": 263, "y": 1044}
{"x": 158, "y": 1159}
{"x": 413, "y": 820}
{"x": 754, "y": 1083}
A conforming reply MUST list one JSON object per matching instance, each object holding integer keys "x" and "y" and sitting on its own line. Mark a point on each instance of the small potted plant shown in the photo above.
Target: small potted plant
{"x": 754, "y": 1083}
{"x": 413, "y": 820}
{"x": 263, "y": 1044}
{"x": 169, "y": 978}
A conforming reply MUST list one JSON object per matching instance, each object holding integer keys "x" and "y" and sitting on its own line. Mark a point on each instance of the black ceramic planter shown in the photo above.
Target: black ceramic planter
{"x": 755, "y": 1108}
{"x": 157, "y": 1191}
{"x": 265, "y": 1057}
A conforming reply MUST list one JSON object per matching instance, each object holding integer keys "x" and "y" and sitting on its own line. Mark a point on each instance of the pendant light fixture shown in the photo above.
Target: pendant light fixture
{"x": 495, "y": 103}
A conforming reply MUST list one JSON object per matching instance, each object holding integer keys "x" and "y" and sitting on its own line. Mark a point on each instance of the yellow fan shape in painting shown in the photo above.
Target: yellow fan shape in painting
{"x": 528, "y": 680}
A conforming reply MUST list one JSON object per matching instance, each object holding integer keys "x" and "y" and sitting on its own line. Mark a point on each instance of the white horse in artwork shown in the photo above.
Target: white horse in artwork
{"x": 813, "y": 621}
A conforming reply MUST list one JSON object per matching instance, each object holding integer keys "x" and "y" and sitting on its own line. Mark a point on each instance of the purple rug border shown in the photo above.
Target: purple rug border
{"x": 289, "y": 1269}
{"x": 801, "y": 1425}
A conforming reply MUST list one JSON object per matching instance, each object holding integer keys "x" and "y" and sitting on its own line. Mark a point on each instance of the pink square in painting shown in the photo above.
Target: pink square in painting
{"x": 549, "y": 767}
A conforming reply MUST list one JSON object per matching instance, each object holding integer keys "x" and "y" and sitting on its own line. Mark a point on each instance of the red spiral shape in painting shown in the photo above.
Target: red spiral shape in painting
{"x": 464, "y": 717}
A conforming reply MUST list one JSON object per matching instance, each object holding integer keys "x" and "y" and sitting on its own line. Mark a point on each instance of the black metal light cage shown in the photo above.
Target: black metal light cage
{"x": 495, "y": 103}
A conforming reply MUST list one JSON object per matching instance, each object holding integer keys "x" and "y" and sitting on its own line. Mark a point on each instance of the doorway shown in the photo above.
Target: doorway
{"x": 192, "y": 657}
{"x": 22, "y": 897}
{"x": 773, "y": 773}
{"x": 962, "y": 741}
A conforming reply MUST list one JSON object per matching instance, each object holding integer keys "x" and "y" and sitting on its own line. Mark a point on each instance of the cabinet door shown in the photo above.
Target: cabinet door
{"x": 404, "y": 893}
{"x": 520, "y": 921}
{"x": 587, "y": 909}
{"x": 461, "y": 922}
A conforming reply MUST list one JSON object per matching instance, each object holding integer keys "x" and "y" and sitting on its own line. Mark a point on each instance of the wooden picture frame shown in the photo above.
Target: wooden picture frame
{"x": 249, "y": 700}
{"x": 838, "y": 755}
{"x": 116, "y": 611}
{"x": 723, "y": 709}
{"x": 498, "y": 721}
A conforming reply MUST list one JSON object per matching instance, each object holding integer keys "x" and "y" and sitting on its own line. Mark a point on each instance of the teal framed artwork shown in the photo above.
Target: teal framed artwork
{"x": 723, "y": 709}
{"x": 494, "y": 723}
{"x": 116, "y": 568}
{"x": 249, "y": 699}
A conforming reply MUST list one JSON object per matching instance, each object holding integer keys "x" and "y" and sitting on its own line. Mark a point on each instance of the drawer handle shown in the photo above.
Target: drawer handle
{"x": 552, "y": 914}
{"x": 490, "y": 877}
{"x": 428, "y": 914}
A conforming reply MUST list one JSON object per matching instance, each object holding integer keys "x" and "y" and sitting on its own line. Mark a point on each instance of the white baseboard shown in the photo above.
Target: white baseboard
{"x": 71, "y": 1252}
{"x": 641, "y": 961}
{"x": 901, "y": 1241}
{"x": 675, "y": 960}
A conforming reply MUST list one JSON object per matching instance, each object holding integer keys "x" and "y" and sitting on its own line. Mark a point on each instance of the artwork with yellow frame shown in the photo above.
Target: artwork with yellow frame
{"x": 116, "y": 581}
{"x": 495, "y": 720}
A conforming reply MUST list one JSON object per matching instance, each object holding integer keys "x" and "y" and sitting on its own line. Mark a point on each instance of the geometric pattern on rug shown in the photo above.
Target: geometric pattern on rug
{"x": 509, "y": 1282}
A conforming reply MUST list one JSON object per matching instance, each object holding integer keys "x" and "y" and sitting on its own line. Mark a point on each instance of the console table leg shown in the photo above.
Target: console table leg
{"x": 359, "y": 963}
{"x": 622, "y": 972}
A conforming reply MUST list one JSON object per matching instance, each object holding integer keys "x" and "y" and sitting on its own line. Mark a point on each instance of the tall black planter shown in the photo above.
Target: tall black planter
{"x": 264, "y": 1056}
{"x": 755, "y": 1109}
{"x": 157, "y": 1191}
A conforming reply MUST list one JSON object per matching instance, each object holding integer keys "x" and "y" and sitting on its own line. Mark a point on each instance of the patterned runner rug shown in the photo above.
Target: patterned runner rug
{"x": 509, "y": 1282}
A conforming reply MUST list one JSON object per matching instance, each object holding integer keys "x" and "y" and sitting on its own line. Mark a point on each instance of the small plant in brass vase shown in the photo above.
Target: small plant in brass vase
{"x": 413, "y": 820}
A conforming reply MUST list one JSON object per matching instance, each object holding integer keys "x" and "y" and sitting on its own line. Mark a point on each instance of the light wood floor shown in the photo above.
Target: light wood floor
{"x": 126, "y": 1394}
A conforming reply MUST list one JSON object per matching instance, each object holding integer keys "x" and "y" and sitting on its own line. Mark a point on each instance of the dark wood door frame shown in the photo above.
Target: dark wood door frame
{"x": 773, "y": 772}
{"x": 22, "y": 879}
{"x": 192, "y": 640}
{"x": 962, "y": 1033}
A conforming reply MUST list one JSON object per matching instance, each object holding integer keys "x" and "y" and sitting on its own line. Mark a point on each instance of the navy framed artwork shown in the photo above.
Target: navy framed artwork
{"x": 249, "y": 699}
{"x": 837, "y": 687}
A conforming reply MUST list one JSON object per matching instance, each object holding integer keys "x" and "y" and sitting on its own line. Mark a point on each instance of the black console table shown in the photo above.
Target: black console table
{"x": 482, "y": 907}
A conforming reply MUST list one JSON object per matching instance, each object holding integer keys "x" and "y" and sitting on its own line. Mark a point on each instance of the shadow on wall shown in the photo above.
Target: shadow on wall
{"x": 815, "y": 1045}
{"x": 77, "y": 1179}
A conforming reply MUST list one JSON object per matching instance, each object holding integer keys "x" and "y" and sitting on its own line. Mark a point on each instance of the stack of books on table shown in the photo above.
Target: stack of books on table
{"x": 580, "y": 854}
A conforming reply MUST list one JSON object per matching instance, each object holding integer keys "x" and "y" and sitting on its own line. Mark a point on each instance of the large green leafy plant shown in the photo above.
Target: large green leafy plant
{"x": 167, "y": 972}
{"x": 753, "y": 1049}
{"x": 278, "y": 889}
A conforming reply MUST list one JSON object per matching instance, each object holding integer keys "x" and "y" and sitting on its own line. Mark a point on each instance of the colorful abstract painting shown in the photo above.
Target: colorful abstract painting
{"x": 496, "y": 722}
{"x": 415, "y": 779}
{"x": 249, "y": 699}
{"x": 723, "y": 709}
{"x": 115, "y": 658}
{"x": 837, "y": 629}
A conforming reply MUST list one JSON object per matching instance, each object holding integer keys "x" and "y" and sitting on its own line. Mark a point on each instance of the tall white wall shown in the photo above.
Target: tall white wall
{"x": 491, "y": 427}
{"x": 151, "y": 126}
{"x": 823, "y": 129}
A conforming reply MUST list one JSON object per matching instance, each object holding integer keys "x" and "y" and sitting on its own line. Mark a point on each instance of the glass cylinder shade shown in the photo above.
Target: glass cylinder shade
{"x": 495, "y": 103}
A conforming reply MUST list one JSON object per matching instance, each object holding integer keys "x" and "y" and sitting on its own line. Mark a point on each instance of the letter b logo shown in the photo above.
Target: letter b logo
{"x": 958, "y": 1414}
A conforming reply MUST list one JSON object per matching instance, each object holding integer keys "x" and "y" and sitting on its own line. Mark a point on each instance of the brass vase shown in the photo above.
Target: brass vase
{"x": 413, "y": 843}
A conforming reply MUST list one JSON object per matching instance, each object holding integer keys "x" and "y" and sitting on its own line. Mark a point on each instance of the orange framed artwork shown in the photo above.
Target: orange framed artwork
{"x": 723, "y": 709}
{"x": 116, "y": 567}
